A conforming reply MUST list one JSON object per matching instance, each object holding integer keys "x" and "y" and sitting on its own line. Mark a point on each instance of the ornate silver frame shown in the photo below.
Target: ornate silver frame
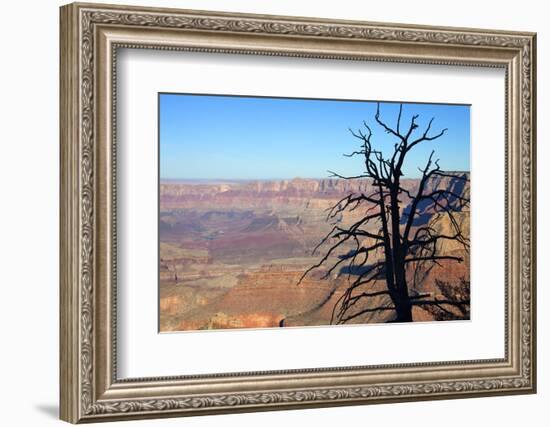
{"x": 90, "y": 36}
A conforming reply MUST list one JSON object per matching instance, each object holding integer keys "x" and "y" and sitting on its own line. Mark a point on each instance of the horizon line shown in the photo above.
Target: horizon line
{"x": 289, "y": 178}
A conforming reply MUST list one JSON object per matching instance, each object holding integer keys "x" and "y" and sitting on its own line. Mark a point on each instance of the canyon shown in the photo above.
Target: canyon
{"x": 232, "y": 252}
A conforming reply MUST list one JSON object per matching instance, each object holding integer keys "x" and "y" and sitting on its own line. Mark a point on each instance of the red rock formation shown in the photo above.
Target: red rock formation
{"x": 239, "y": 248}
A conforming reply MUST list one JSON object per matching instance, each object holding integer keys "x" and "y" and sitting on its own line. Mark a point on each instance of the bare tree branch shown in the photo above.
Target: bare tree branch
{"x": 385, "y": 230}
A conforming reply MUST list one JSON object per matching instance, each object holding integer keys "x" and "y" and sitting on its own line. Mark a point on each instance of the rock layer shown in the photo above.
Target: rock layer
{"x": 232, "y": 253}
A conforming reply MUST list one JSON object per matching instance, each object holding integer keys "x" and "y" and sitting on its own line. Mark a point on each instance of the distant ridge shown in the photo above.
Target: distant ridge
{"x": 296, "y": 178}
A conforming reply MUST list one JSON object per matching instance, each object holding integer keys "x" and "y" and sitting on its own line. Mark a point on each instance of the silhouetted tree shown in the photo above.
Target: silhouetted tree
{"x": 388, "y": 228}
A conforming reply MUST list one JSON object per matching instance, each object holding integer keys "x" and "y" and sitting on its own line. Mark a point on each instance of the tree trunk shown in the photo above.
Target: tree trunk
{"x": 403, "y": 307}
{"x": 402, "y": 302}
{"x": 404, "y": 312}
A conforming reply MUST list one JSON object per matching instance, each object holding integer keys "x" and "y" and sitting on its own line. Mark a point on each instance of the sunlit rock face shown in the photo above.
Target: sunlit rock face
{"x": 232, "y": 252}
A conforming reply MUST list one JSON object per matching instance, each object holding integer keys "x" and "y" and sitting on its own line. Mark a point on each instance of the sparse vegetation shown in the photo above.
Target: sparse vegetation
{"x": 400, "y": 248}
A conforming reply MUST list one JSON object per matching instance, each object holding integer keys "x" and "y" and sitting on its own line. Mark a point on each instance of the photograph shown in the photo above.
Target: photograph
{"x": 293, "y": 212}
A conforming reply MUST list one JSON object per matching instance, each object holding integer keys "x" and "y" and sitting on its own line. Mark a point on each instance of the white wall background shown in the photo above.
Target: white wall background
{"x": 29, "y": 171}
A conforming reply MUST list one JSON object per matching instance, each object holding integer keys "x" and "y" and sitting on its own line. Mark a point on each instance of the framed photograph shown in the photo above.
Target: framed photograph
{"x": 266, "y": 212}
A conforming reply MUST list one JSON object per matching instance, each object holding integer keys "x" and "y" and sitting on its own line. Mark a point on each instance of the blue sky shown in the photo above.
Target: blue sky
{"x": 233, "y": 137}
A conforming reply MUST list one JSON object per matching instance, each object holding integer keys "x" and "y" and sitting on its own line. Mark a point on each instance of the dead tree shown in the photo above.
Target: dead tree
{"x": 387, "y": 228}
